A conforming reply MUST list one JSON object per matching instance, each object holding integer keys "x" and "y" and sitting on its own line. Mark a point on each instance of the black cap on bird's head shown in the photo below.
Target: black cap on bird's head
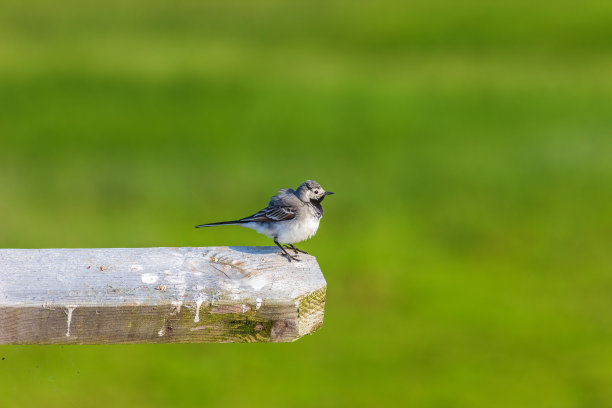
{"x": 311, "y": 191}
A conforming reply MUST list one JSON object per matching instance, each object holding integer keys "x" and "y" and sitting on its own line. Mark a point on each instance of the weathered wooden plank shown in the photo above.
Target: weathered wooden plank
{"x": 157, "y": 295}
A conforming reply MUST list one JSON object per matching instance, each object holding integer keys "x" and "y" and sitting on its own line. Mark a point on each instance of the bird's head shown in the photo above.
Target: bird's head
{"x": 311, "y": 191}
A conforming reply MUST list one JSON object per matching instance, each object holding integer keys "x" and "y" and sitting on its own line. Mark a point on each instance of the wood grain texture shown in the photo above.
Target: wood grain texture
{"x": 157, "y": 295}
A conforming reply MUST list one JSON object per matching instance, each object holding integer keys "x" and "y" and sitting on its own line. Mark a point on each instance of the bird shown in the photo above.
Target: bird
{"x": 291, "y": 216}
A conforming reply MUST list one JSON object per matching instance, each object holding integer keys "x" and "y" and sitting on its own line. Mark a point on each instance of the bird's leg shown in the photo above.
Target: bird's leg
{"x": 285, "y": 253}
{"x": 297, "y": 249}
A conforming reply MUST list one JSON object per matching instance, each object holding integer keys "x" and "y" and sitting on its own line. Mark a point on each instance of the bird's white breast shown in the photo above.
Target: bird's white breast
{"x": 288, "y": 232}
{"x": 298, "y": 230}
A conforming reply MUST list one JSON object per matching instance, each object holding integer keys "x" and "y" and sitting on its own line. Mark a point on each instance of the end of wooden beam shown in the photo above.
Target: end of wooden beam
{"x": 158, "y": 295}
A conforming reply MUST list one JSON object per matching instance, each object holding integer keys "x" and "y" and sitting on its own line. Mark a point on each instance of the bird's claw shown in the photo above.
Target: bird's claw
{"x": 290, "y": 257}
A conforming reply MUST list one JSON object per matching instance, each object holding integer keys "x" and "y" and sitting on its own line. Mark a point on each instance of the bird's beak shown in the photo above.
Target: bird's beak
{"x": 328, "y": 193}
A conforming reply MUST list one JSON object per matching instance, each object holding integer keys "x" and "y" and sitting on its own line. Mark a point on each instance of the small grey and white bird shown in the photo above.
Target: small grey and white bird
{"x": 291, "y": 216}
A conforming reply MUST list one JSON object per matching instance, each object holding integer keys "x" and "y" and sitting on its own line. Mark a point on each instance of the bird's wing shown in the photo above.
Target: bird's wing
{"x": 272, "y": 213}
{"x": 282, "y": 207}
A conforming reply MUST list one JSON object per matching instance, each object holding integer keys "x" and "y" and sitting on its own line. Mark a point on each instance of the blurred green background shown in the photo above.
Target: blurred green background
{"x": 467, "y": 250}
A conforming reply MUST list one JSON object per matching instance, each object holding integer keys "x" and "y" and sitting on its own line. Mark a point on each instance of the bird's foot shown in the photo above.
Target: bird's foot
{"x": 285, "y": 253}
{"x": 296, "y": 249}
{"x": 289, "y": 256}
{"x": 289, "y": 246}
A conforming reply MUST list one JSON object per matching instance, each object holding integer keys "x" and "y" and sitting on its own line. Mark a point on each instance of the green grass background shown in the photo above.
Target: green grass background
{"x": 467, "y": 250}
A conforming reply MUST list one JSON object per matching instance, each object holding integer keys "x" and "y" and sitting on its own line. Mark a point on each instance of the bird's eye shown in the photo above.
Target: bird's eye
{"x": 316, "y": 191}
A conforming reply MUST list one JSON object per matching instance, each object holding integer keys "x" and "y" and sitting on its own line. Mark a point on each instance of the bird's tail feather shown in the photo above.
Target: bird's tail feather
{"x": 236, "y": 222}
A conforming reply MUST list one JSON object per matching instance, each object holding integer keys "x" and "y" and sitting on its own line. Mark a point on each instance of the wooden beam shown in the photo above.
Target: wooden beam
{"x": 157, "y": 295}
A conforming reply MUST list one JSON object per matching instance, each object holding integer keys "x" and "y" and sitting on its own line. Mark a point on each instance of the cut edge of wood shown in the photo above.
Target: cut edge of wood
{"x": 311, "y": 312}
